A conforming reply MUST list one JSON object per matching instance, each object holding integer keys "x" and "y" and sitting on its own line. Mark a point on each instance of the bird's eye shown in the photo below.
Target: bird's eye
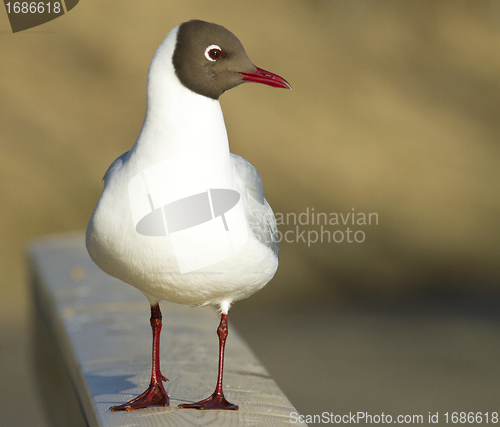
{"x": 213, "y": 52}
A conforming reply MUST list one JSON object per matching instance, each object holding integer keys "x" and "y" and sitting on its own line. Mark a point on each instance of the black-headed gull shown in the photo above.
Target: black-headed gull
{"x": 180, "y": 217}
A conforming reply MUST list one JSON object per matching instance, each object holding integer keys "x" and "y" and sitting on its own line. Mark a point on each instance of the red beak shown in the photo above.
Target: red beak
{"x": 267, "y": 78}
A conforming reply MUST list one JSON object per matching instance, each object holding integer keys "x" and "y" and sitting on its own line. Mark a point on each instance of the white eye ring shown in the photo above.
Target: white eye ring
{"x": 211, "y": 47}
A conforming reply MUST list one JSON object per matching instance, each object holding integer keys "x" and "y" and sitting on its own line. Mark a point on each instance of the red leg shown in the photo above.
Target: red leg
{"x": 216, "y": 400}
{"x": 155, "y": 395}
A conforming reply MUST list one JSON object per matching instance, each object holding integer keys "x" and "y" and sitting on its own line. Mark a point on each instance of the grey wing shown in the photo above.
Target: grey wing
{"x": 259, "y": 213}
{"x": 117, "y": 164}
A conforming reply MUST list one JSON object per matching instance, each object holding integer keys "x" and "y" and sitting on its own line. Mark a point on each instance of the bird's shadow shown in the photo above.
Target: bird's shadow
{"x": 109, "y": 384}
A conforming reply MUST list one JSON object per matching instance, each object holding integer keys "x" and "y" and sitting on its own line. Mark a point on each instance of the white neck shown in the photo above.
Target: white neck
{"x": 178, "y": 121}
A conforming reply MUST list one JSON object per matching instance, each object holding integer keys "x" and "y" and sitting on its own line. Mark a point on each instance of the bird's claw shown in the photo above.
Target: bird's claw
{"x": 216, "y": 401}
{"x": 155, "y": 395}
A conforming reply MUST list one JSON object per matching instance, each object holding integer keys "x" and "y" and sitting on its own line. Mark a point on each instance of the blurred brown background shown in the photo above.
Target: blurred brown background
{"x": 395, "y": 110}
